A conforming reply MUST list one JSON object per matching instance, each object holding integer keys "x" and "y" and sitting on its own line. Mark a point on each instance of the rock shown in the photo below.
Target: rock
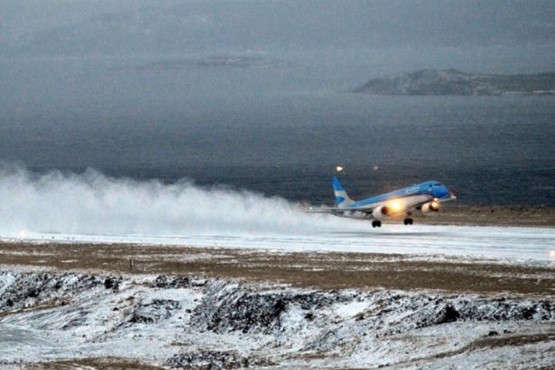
{"x": 447, "y": 314}
{"x": 206, "y": 359}
{"x": 236, "y": 308}
{"x": 154, "y": 311}
{"x": 112, "y": 282}
{"x": 32, "y": 288}
{"x": 33, "y": 293}
{"x": 163, "y": 281}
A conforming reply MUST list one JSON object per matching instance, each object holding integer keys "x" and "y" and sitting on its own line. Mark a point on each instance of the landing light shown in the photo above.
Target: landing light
{"x": 395, "y": 205}
{"x": 339, "y": 168}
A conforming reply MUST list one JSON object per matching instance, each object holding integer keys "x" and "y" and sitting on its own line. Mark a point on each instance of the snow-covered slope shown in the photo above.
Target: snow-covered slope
{"x": 188, "y": 322}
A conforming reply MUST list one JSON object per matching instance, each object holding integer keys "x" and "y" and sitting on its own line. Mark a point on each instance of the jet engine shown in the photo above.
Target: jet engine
{"x": 430, "y": 207}
{"x": 382, "y": 212}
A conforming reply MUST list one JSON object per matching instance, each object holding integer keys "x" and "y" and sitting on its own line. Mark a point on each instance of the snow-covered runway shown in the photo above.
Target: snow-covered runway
{"x": 507, "y": 244}
{"x": 91, "y": 207}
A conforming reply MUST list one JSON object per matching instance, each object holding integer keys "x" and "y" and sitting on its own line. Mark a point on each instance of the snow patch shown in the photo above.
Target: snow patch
{"x": 180, "y": 321}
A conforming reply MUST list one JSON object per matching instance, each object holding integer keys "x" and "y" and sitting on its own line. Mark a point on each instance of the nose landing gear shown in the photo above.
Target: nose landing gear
{"x": 407, "y": 221}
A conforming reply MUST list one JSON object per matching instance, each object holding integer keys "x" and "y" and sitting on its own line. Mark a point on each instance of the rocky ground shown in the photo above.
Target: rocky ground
{"x": 70, "y": 319}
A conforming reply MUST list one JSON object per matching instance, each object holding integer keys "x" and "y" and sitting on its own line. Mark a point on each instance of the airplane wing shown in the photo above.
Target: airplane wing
{"x": 341, "y": 212}
{"x": 392, "y": 207}
{"x": 395, "y": 205}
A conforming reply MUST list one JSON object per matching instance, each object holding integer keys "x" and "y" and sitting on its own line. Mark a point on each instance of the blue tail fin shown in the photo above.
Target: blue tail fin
{"x": 341, "y": 197}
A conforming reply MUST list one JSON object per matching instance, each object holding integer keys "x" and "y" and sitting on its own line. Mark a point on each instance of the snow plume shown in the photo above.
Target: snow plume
{"x": 92, "y": 203}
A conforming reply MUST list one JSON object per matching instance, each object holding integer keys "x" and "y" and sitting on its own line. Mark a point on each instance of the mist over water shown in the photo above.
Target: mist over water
{"x": 92, "y": 203}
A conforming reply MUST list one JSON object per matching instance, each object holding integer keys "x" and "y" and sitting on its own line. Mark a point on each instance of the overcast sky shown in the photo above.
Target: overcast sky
{"x": 93, "y": 27}
{"x": 105, "y": 55}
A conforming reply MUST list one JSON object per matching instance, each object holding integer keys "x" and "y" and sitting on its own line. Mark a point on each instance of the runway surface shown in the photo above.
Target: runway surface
{"x": 91, "y": 207}
{"x": 505, "y": 244}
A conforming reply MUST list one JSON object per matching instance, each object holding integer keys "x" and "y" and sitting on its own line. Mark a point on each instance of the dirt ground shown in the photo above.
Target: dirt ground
{"x": 317, "y": 270}
{"x": 320, "y": 270}
{"x": 482, "y": 215}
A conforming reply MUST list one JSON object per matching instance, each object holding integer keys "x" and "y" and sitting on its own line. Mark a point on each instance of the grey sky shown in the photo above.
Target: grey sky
{"x": 87, "y": 27}
{"x": 114, "y": 57}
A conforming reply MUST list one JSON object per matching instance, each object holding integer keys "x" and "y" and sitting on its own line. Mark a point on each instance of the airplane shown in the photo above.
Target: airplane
{"x": 396, "y": 205}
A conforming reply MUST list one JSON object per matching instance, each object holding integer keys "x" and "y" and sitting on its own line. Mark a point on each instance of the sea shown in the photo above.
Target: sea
{"x": 286, "y": 143}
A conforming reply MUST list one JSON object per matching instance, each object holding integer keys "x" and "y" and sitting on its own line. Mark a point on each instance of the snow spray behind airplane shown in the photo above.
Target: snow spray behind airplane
{"x": 92, "y": 203}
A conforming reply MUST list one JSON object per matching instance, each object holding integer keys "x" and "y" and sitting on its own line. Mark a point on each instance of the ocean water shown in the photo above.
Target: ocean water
{"x": 278, "y": 127}
{"x": 489, "y": 150}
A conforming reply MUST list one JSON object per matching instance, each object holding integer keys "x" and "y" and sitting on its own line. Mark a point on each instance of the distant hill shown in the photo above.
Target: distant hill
{"x": 453, "y": 82}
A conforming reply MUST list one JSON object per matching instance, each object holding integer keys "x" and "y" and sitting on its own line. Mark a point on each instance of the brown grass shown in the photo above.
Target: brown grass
{"x": 108, "y": 363}
{"x": 484, "y": 215}
{"x": 319, "y": 270}
{"x": 487, "y": 343}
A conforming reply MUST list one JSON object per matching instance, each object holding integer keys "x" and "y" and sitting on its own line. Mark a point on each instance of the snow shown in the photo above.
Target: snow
{"x": 92, "y": 207}
{"x": 506, "y": 244}
{"x": 175, "y": 321}
{"x": 352, "y": 309}
{"x": 166, "y": 321}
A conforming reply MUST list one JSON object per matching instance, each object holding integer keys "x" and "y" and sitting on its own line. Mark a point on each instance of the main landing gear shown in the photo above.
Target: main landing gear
{"x": 378, "y": 223}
